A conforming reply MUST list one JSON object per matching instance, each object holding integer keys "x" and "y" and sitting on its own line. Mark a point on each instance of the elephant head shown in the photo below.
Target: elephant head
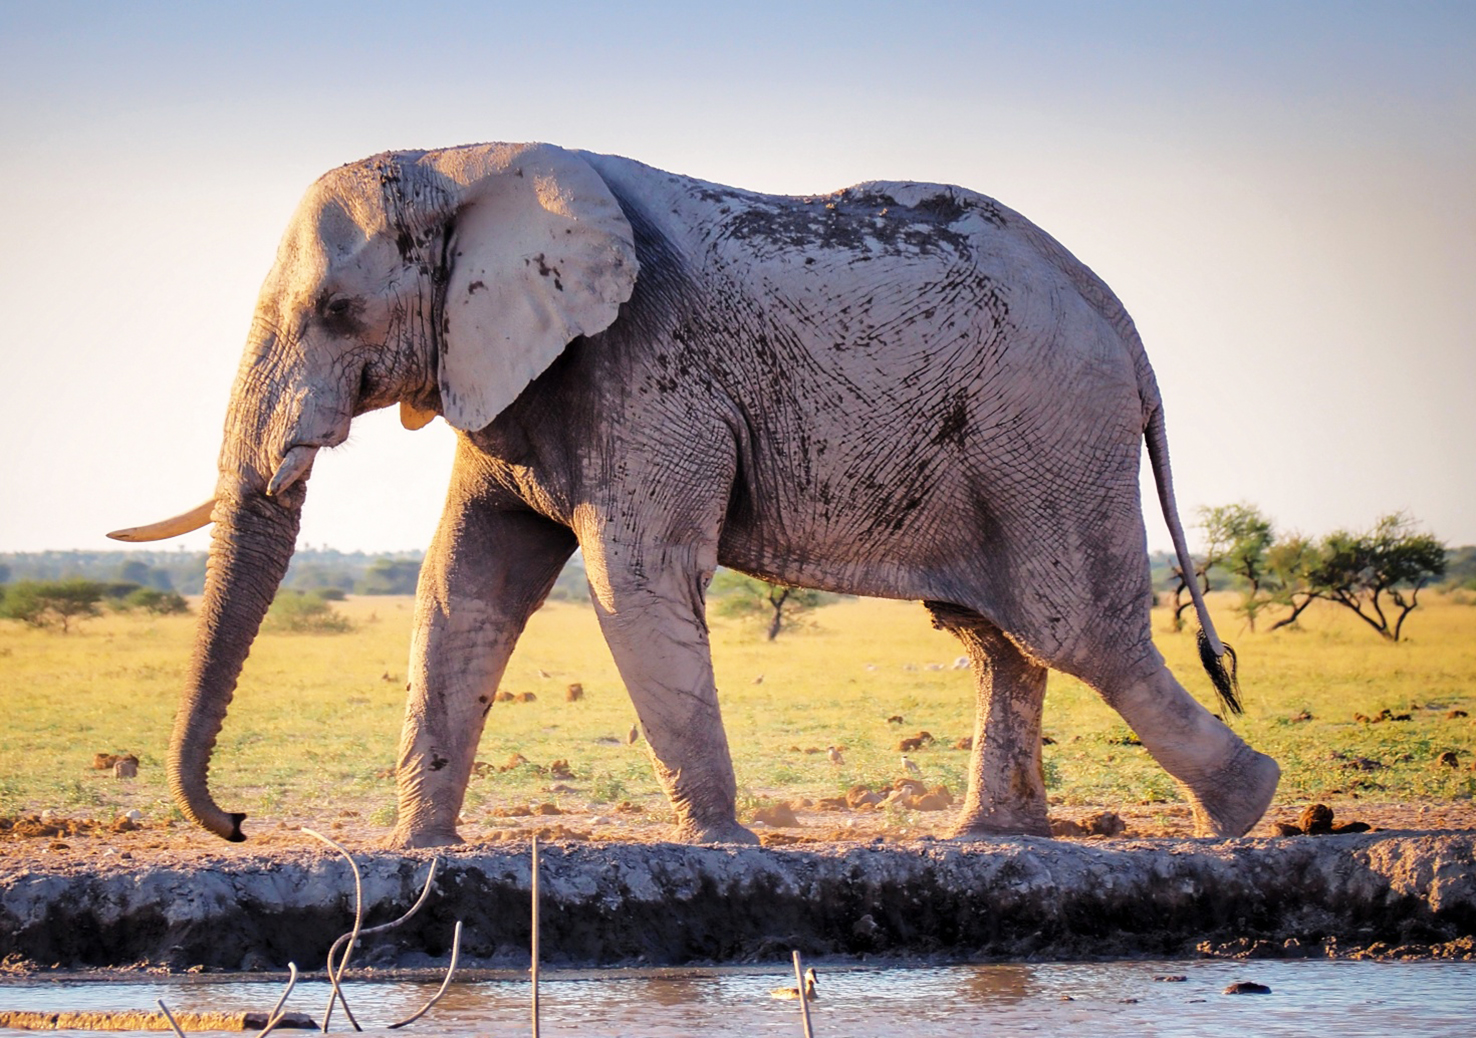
{"x": 444, "y": 281}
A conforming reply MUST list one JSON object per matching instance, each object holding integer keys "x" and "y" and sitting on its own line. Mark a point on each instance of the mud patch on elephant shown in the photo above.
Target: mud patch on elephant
{"x": 862, "y": 223}
{"x": 954, "y": 430}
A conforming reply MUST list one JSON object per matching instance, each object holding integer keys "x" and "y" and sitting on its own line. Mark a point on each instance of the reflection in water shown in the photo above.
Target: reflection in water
{"x": 677, "y": 989}
{"x": 1107, "y": 999}
{"x": 999, "y": 984}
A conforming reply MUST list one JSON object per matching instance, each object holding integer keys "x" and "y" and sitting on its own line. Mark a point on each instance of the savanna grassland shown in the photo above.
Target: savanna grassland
{"x": 312, "y": 732}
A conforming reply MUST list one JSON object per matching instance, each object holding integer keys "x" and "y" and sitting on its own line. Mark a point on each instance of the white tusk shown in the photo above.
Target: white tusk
{"x": 412, "y": 417}
{"x": 295, "y": 464}
{"x": 184, "y": 523}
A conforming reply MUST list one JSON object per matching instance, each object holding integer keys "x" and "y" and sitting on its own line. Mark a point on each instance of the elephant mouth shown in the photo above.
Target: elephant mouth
{"x": 297, "y": 463}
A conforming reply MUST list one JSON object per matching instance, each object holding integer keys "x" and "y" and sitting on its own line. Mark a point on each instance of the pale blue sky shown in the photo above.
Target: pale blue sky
{"x": 1281, "y": 193}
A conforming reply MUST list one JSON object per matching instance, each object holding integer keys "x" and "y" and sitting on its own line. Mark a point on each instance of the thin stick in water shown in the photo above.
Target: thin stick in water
{"x": 533, "y": 970}
{"x": 276, "y": 1016}
{"x": 170, "y": 1017}
{"x": 382, "y": 927}
{"x": 335, "y": 977}
{"x": 804, "y": 1002}
{"x": 455, "y": 954}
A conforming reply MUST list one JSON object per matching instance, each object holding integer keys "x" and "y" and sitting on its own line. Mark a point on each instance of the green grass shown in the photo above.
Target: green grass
{"x": 317, "y": 716}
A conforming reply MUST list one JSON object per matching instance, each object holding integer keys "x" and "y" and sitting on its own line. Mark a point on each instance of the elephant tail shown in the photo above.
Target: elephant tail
{"x": 1213, "y": 653}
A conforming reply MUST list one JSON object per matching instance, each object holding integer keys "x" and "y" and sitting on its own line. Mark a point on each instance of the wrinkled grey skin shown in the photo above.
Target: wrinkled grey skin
{"x": 900, "y": 390}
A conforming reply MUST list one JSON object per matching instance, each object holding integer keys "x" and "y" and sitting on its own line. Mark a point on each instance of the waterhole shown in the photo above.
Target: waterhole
{"x": 1099, "y": 999}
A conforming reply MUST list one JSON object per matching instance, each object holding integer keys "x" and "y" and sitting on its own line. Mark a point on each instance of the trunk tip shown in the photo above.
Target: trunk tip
{"x": 236, "y": 835}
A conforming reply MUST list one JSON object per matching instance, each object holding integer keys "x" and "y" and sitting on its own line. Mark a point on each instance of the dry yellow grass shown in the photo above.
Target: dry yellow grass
{"x": 316, "y": 717}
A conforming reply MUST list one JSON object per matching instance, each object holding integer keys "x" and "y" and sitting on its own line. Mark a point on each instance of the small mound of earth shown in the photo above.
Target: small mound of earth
{"x": 1102, "y": 823}
{"x": 1317, "y": 820}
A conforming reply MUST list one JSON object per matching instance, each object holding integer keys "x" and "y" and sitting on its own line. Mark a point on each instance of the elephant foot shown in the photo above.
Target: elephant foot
{"x": 1238, "y": 795}
{"x": 404, "y": 839}
{"x": 715, "y": 832}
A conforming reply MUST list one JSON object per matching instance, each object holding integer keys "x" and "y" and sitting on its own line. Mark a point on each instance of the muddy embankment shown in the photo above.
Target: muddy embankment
{"x": 664, "y": 904}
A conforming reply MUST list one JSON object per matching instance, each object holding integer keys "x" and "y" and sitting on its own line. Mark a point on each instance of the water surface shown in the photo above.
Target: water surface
{"x": 1348, "y": 999}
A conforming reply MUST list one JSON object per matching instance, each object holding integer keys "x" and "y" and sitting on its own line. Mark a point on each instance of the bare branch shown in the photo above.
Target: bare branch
{"x": 276, "y": 1016}
{"x": 446, "y": 983}
{"x": 170, "y": 1017}
{"x": 353, "y": 935}
{"x": 382, "y": 927}
{"x": 801, "y": 991}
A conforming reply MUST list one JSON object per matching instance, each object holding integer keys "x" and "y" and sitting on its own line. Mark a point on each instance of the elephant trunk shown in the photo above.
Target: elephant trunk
{"x": 251, "y": 546}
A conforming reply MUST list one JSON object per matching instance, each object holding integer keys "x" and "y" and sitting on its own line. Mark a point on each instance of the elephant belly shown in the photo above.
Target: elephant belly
{"x": 966, "y": 479}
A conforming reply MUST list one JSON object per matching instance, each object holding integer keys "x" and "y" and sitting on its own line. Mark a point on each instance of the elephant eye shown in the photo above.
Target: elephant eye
{"x": 337, "y": 308}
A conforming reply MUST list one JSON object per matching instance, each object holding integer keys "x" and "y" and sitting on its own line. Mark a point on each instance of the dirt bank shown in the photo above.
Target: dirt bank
{"x": 1396, "y": 892}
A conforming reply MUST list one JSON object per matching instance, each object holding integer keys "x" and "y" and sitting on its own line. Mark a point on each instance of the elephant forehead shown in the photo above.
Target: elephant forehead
{"x": 337, "y": 219}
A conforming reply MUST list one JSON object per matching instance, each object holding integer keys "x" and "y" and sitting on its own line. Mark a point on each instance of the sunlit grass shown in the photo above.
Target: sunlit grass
{"x": 316, "y": 718}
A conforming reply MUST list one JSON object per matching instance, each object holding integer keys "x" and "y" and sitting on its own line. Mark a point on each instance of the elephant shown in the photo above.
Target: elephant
{"x": 901, "y": 389}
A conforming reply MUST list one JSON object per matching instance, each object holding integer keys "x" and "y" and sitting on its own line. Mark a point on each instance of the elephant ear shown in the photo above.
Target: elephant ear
{"x": 540, "y": 255}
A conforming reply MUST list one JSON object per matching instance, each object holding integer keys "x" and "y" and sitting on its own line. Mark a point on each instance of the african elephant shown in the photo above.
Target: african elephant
{"x": 902, "y": 390}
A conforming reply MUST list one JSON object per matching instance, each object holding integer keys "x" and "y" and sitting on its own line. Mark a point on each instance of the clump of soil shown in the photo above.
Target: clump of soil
{"x": 1317, "y": 820}
{"x": 545, "y": 833}
{"x": 108, "y": 761}
{"x": 907, "y": 793}
{"x": 1461, "y": 949}
{"x": 859, "y": 794}
{"x": 1102, "y": 823}
{"x": 777, "y": 815}
{"x": 1247, "y": 987}
{"x": 1383, "y": 715}
{"x": 40, "y": 825}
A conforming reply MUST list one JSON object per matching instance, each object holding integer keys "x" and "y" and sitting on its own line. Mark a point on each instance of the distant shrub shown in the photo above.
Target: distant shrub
{"x": 117, "y": 590}
{"x": 139, "y": 572}
{"x": 160, "y": 603}
{"x": 781, "y": 608}
{"x": 390, "y": 577}
{"x": 330, "y": 594}
{"x": 572, "y": 584}
{"x": 298, "y": 613}
{"x": 52, "y": 603}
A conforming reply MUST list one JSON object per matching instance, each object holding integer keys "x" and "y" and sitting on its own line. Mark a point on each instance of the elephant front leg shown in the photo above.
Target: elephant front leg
{"x": 650, "y": 606}
{"x": 1006, "y": 794}
{"x": 486, "y": 572}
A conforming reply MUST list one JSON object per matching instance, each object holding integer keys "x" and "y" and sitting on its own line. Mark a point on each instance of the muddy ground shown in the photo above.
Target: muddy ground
{"x": 74, "y": 894}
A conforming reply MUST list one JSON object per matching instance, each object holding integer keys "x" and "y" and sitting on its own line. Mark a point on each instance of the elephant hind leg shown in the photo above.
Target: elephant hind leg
{"x": 1229, "y": 785}
{"x": 1006, "y": 794}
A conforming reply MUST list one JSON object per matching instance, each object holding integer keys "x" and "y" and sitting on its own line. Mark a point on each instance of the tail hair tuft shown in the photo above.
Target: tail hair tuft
{"x": 1226, "y": 682}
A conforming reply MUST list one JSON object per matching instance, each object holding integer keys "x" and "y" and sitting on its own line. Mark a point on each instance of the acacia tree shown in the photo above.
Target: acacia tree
{"x": 1292, "y": 563}
{"x": 1181, "y": 586}
{"x": 1393, "y": 559}
{"x": 741, "y": 595}
{"x": 52, "y": 603}
{"x": 1239, "y": 537}
{"x": 1214, "y": 554}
